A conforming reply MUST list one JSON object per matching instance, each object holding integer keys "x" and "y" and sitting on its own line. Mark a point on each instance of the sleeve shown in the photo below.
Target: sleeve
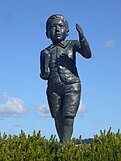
{"x": 82, "y": 47}
{"x": 44, "y": 64}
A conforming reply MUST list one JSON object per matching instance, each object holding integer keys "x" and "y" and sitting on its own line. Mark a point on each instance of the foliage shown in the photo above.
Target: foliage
{"x": 106, "y": 147}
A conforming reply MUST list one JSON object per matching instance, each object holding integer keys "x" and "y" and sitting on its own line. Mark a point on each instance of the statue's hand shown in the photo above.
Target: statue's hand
{"x": 80, "y": 31}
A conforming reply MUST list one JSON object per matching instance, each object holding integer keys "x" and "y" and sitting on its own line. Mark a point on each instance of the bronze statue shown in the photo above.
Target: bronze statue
{"x": 58, "y": 66}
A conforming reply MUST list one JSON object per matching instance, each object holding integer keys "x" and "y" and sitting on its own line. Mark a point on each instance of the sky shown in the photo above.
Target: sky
{"x": 23, "y": 102}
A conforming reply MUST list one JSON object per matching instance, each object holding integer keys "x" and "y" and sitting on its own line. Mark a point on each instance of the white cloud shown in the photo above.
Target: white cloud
{"x": 43, "y": 111}
{"x": 109, "y": 43}
{"x": 81, "y": 108}
{"x": 12, "y": 106}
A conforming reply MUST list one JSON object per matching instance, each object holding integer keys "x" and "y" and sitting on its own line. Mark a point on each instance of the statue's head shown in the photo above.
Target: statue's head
{"x": 57, "y": 28}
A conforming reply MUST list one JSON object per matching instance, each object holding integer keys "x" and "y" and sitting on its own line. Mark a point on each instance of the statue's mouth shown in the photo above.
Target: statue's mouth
{"x": 58, "y": 34}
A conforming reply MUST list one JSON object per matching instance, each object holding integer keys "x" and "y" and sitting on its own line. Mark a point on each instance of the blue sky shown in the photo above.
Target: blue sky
{"x": 23, "y": 103}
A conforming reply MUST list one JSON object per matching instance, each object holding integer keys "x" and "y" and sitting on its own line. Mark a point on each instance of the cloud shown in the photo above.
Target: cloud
{"x": 43, "y": 111}
{"x": 109, "y": 43}
{"x": 12, "y": 106}
{"x": 81, "y": 108}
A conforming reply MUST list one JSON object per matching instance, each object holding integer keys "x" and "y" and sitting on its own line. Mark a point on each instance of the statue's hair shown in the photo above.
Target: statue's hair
{"x": 56, "y": 16}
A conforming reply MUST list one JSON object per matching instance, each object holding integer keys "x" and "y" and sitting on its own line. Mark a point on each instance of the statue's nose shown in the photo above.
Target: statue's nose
{"x": 57, "y": 28}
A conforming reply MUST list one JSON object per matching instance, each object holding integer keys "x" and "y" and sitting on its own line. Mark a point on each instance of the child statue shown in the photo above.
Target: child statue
{"x": 58, "y": 67}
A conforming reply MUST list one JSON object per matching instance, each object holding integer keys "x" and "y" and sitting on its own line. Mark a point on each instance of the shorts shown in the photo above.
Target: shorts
{"x": 64, "y": 99}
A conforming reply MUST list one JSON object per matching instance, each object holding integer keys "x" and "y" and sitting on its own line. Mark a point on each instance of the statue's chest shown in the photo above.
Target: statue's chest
{"x": 59, "y": 52}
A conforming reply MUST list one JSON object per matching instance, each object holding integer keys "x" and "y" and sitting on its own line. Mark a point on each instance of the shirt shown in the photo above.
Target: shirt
{"x": 58, "y": 62}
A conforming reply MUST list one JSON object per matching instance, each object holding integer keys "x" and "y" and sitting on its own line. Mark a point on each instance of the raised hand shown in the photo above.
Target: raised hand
{"x": 80, "y": 31}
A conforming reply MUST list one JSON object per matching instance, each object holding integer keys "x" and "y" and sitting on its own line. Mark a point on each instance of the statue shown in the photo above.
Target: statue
{"x": 58, "y": 66}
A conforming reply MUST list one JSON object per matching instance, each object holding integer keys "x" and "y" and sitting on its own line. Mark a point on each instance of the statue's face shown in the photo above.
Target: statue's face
{"x": 57, "y": 31}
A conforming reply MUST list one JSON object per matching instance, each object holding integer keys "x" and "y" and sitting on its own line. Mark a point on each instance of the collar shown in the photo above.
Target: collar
{"x": 62, "y": 44}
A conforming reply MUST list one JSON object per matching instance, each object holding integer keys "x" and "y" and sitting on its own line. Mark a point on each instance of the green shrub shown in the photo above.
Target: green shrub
{"x": 105, "y": 147}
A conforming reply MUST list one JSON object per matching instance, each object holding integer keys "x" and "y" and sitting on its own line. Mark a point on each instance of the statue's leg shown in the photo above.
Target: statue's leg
{"x": 54, "y": 101}
{"x": 67, "y": 128}
{"x": 71, "y": 100}
{"x": 59, "y": 127}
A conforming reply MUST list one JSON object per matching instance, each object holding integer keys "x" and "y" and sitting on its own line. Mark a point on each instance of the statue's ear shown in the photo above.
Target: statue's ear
{"x": 47, "y": 35}
{"x": 67, "y": 32}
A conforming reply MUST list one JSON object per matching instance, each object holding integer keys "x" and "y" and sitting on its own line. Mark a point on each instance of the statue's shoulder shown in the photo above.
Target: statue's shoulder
{"x": 46, "y": 50}
{"x": 49, "y": 47}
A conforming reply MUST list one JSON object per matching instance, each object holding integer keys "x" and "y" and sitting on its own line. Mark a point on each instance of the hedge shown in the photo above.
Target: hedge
{"x": 103, "y": 147}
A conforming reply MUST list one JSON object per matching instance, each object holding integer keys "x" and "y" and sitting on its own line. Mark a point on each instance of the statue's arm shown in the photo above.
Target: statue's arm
{"x": 84, "y": 48}
{"x": 44, "y": 64}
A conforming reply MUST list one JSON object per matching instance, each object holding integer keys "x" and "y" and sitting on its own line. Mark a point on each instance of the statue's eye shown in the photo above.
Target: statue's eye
{"x": 61, "y": 25}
